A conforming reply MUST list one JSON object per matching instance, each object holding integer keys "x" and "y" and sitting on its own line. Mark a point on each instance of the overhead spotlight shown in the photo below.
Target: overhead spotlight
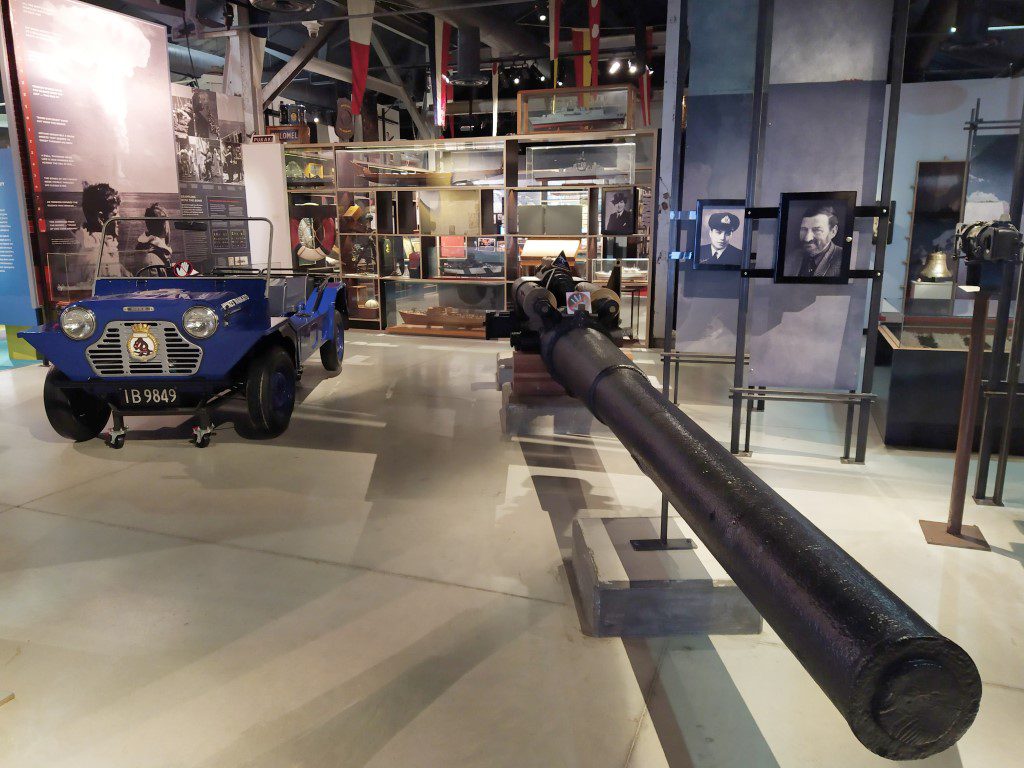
{"x": 614, "y": 67}
{"x": 515, "y": 80}
{"x": 632, "y": 68}
{"x": 542, "y": 78}
{"x": 952, "y": 30}
{"x": 316, "y": 119}
{"x": 543, "y": 17}
{"x": 560, "y": 83}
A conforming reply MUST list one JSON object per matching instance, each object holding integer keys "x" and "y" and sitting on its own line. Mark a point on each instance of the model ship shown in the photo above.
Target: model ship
{"x": 443, "y": 317}
{"x": 579, "y": 118}
{"x": 628, "y": 273}
{"x": 470, "y": 267}
{"x": 386, "y": 175}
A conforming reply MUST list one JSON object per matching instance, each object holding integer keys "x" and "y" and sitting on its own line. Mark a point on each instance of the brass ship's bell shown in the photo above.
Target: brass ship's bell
{"x": 935, "y": 268}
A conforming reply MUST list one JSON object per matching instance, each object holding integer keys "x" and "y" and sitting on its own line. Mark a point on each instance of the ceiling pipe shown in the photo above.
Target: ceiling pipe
{"x": 467, "y": 70}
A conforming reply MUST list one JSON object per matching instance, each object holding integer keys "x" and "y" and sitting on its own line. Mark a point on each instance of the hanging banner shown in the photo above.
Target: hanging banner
{"x": 554, "y": 25}
{"x": 442, "y": 88}
{"x": 594, "y": 20}
{"x": 580, "y": 59}
{"x": 208, "y": 132}
{"x": 94, "y": 92}
{"x": 359, "y": 32}
{"x": 645, "y": 76}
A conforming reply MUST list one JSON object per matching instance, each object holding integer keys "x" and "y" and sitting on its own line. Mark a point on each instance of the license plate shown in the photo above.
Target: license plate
{"x": 149, "y": 397}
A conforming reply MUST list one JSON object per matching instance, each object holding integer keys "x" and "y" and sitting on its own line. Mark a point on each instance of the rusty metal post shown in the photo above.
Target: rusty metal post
{"x": 954, "y": 533}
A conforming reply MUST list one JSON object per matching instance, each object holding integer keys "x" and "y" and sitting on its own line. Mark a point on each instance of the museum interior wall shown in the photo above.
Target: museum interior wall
{"x": 932, "y": 118}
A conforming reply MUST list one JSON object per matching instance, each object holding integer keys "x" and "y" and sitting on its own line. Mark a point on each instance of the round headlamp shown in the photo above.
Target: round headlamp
{"x": 78, "y": 323}
{"x": 200, "y": 322}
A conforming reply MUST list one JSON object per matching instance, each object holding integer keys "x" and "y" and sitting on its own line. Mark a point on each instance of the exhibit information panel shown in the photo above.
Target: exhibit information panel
{"x": 17, "y": 285}
{"x": 208, "y": 132}
{"x": 94, "y": 90}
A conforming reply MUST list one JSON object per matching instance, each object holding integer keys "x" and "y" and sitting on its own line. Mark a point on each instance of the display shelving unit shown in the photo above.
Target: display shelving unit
{"x": 430, "y": 234}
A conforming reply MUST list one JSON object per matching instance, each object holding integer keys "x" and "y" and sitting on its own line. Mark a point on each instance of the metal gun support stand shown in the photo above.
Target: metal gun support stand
{"x": 953, "y": 533}
{"x": 993, "y": 386}
{"x": 857, "y": 403}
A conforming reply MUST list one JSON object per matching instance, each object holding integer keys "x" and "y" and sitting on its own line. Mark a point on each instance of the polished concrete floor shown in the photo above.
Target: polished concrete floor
{"x": 385, "y": 585}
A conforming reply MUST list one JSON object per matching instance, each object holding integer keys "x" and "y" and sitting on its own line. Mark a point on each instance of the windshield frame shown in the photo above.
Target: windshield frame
{"x": 263, "y": 274}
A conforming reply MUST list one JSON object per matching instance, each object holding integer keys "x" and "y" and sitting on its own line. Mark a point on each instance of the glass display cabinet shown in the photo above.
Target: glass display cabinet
{"x": 572, "y": 110}
{"x": 474, "y": 258}
{"x": 556, "y": 212}
{"x": 633, "y": 270}
{"x": 309, "y": 168}
{"x": 579, "y": 163}
{"x": 362, "y": 297}
{"x": 435, "y": 164}
{"x": 430, "y": 233}
{"x": 441, "y": 308}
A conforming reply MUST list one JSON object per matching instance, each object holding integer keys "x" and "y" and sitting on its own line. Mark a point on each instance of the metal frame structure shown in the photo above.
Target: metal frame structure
{"x": 993, "y": 385}
{"x": 861, "y": 401}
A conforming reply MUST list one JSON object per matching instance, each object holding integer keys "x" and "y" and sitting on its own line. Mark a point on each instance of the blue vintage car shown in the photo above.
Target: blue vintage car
{"x": 173, "y": 339}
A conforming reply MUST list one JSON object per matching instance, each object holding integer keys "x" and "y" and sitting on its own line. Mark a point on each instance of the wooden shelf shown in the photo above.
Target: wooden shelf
{"x": 457, "y": 280}
{"x": 512, "y": 180}
{"x": 562, "y": 188}
{"x": 552, "y": 237}
{"x": 456, "y": 187}
{"x": 420, "y": 330}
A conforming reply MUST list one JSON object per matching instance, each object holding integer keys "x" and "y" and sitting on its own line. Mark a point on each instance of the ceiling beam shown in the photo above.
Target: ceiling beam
{"x": 340, "y": 73}
{"x": 422, "y": 127}
{"x": 298, "y": 61}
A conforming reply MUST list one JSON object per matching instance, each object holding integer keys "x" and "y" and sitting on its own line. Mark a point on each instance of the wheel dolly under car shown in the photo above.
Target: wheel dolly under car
{"x": 172, "y": 339}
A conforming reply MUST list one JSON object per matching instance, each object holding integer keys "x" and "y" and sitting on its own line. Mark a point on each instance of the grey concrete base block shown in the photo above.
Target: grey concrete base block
{"x": 519, "y": 415}
{"x": 625, "y": 593}
{"x": 503, "y": 372}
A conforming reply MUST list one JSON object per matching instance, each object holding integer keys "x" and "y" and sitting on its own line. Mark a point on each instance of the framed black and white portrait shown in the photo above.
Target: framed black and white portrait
{"x": 720, "y": 229}
{"x": 815, "y": 237}
{"x": 618, "y": 210}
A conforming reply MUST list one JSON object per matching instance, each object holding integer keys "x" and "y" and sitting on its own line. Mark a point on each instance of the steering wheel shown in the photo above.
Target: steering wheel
{"x": 158, "y": 270}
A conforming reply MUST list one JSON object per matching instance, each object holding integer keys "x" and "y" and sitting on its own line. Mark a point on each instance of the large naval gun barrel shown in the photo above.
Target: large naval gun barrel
{"x": 906, "y": 691}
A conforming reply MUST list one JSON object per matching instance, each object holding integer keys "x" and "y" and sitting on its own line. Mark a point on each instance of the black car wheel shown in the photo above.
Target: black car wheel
{"x": 270, "y": 392}
{"x": 73, "y": 413}
{"x": 333, "y": 350}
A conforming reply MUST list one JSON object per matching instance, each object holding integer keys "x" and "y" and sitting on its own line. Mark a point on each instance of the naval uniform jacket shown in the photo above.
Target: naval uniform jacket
{"x": 731, "y": 256}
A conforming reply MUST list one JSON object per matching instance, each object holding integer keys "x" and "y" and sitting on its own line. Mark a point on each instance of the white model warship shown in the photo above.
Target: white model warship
{"x": 578, "y": 117}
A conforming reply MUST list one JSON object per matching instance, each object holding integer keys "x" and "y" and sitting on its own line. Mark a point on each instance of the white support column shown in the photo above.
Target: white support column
{"x": 243, "y": 71}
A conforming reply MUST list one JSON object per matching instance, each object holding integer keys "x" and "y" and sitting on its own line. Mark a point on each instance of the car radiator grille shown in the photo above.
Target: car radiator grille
{"x": 176, "y": 355}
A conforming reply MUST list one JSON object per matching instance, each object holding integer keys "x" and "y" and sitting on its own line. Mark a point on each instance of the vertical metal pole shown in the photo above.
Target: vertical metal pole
{"x": 849, "y": 428}
{"x": 758, "y": 126}
{"x": 1012, "y": 377}
{"x": 968, "y": 412}
{"x": 901, "y": 12}
{"x": 997, "y": 362}
{"x": 668, "y": 185}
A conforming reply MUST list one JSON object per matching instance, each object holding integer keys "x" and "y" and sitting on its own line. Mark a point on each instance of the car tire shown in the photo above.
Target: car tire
{"x": 73, "y": 413}
{"x": 270, "y": 392}
{"x": 333, "y": 350}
